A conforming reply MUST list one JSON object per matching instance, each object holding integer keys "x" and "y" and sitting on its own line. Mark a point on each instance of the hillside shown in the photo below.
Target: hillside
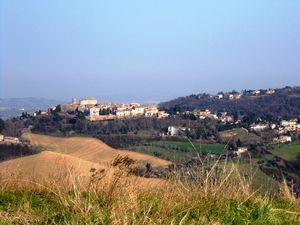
{"x": 47, "y": 163}
{"x": 89, "y": 149}
{"x": 77, "y": 159}
{"x": 51, "y": 168}
{"x": 285, "y": 102}
{"x": 218, "y": 196}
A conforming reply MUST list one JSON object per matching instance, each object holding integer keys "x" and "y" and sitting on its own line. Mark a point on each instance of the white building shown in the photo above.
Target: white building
{"x": 138, "y": 111}
{"x": 176, "y": 131}
{"x": 220, "y": 96}
{"x": 288, "y": 123}
{"x": 151, "y": 112}
{"x": 162, "y": 114}
{"x": 256, "y": 92}
{"x": 259, "y": 127}
{"x": 283, "y": 139}
{"x": 212, "y": 116}
{"x": 241, "y": 150}
{"x": 123, "y": 113}
{"x": 270, "y": 91}
{"x": 94, "y": 111}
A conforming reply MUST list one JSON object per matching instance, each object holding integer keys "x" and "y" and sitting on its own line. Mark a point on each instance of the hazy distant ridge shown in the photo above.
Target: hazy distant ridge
{"x": 13, "y": 106}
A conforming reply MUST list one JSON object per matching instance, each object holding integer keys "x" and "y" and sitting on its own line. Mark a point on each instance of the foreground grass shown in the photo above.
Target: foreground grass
{"x": 32, "y": 207}
{"x": 214, "y": 193}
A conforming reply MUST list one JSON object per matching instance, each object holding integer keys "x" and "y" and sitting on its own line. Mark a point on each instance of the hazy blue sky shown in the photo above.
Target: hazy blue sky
{"x": 146, "y": 50}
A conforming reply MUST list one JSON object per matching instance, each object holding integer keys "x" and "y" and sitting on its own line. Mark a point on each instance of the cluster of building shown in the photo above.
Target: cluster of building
{"x": 282, "y": 139}
{"x": 234, "y": 95}
{"x": 285, "y": 127}
{"x": 8, "y": 140}
{"x": 289, "y": 126}
{"x": 203, "y": 114}
{"x": 95, "y": 111}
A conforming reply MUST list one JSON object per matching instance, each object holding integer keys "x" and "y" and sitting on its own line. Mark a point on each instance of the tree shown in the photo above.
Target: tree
{"x": 239, "y": 143}
{"x": 2, "y": 125}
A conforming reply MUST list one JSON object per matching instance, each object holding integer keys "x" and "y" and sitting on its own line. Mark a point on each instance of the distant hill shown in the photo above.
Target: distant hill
{"x": 284, "y": 102}
{"x": 10, "y": 107}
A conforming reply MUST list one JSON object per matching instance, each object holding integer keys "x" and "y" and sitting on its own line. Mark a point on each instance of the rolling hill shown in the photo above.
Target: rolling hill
{"x": 65, "y": 160}
{"x": 90, "y": 149}
{"x": 285, "y": 102}
{"x": 47, "y": 163}
{"x": 56, "y": 170}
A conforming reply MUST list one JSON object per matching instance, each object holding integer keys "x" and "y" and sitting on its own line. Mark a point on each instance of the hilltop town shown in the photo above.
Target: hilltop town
{"x": 179, "y": 121}
{"x": 95, "y": 111}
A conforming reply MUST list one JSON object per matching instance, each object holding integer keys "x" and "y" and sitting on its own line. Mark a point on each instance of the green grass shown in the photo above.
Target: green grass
{"x": 187, "y": 146}
{"x": 242, "y": 134}
{"x": 168, "y": 154}
{"x": 31, "y": 207}
{"x": 258, "y": 180}
{"x": 42, "y": 207}
{"x": 177, "y": 151}
{"x": 286, "y": 151}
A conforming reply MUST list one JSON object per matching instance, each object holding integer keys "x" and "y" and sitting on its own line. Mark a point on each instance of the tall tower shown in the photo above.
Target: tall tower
{"x": 74, "y": 101}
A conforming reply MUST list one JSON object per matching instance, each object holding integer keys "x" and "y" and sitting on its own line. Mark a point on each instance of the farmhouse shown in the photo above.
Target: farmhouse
{"x": 259, "y": 127}
{"x": 220, "y": 96}
{"x": 270, "y": 91}
{"x": 255, "y": 92}
{"x": 162, "y": 114}
{"x": 94, "y": 111}
{"x": 202, "y": 114}
{"x": 241, "y": 150}
{"x": 176, "y": 131}
{"x": 282, "y": 139}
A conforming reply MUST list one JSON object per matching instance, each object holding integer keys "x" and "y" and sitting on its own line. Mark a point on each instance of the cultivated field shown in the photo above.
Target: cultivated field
{"x": 90, "y": 149}
{"x": 66, "y": 159}
{"x": 286, "y": 151}
{"x": 178, "y": 151}
{"x": 240, "y": 133}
